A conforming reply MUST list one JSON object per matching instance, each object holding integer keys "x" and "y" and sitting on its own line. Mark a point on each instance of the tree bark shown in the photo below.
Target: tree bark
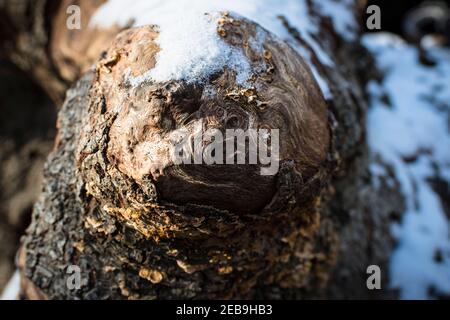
{"x": 315, "y": 239}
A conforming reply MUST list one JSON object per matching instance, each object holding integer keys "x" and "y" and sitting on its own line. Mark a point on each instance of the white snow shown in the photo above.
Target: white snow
{"x": 341, "y": 16}
{"x": 191, "y": 46}
{"x": 193, "y": 50}
{"x": 417, "y": 123}
{"x": 11, "y": 291}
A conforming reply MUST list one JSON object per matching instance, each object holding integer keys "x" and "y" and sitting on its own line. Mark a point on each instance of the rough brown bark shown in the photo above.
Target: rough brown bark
{"x": 324, "y": 225}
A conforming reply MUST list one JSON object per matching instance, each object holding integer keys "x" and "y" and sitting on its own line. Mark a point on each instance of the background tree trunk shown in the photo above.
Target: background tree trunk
{"x": 27, "y": 131}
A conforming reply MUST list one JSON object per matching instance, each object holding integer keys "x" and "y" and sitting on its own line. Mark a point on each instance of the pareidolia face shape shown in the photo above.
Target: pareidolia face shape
{"x": 164, "y": 134}
{"x": 278, "y": 108}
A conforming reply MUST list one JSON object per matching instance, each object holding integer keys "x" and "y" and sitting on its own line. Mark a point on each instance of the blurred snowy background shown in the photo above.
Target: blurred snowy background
{"x": 409, "y": 132}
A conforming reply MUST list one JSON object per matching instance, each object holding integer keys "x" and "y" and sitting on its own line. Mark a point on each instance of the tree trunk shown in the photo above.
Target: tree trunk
{"x": 27, "y": 130}
{"x": 35, "y": 38}
{"x": 319, "y": 225}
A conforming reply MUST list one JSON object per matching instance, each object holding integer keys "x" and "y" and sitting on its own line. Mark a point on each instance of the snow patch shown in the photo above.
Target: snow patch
{"x": 190, "y": 44}
{"x": 12, "y": 289}
{"x": 412, "y": 134}
{"x": 341, "y": 16}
